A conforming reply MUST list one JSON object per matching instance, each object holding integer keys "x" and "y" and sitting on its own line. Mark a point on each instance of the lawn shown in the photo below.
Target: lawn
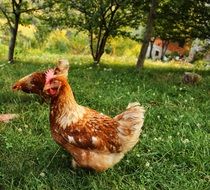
{"x": 174, "y": 148}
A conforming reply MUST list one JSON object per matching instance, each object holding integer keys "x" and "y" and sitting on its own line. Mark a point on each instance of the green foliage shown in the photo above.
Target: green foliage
{"x": 24, "y": 42}
{"x": 42, "y": 32}
{"x": 79, "y": 42}
{"x": 62, "y": 41}
{"x": 18, "y": 13}
{"x": 57, "y": 42}
{"x": 201, "y": 64}
{"x": 10, "y": 10}
{"x": 138, "y": 34}
{"x": 101, "y": 19}
{"x": 120, "y": 46}
{"x": 3, "y": 50}
{"x": 183, "y": 20}
{"x": 204, "y": 48}
{"x": 65, "y": 41}
{"x": 173, "y": 152}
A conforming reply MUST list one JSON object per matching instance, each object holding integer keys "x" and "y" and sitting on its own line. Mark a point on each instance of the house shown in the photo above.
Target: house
{"x": 173, "y": 47}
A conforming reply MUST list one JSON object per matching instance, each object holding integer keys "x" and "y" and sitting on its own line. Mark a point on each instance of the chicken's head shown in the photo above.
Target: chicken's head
{"x": 23, "y": 82}
{"x": 53, "y": 83}
{"x": 16, "y": 86}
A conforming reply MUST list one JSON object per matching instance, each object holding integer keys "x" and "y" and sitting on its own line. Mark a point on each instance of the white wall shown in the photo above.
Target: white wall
{"x": 156, "y": 50}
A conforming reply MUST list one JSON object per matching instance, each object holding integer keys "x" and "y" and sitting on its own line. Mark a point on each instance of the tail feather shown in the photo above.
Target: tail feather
{"x": 62, "y": 68}
{"x": 131, "y": 122}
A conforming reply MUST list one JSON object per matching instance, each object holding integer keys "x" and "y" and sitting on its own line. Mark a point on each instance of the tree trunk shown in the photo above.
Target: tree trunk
{"x": 98, "y": 56}
{"x": 148, "y": 34}
{"x": 96, "y": 61}
{"x": 142, "y": 55}
{"x": 165, "y": 44}
{"x": 99, "y": 51}
{"x": 102, "y": 47}
{"x": 13, "y": 31}
{"x": 102, "y": 35}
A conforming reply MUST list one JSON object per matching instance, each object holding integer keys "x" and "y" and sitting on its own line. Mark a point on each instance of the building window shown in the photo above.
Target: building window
{"x": 156, "y": 53}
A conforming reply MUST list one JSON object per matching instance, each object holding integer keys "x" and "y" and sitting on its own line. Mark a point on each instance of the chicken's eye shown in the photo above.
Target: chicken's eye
{"x": 54, "y": 82}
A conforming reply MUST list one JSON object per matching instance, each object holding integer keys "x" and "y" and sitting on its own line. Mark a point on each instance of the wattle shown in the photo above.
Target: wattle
{"x": 52, "y": 91}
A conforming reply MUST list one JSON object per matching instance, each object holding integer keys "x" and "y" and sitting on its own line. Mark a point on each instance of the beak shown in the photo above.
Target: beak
{"x": 16, "y": 87}
{"x": 46, "y": 87}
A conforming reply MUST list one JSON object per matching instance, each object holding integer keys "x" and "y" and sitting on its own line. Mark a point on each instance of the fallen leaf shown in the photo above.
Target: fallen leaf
{"x": 7, "y": 117}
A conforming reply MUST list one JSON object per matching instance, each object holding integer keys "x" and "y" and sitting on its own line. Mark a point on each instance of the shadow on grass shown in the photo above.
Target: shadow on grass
{"x": 37, "y": 65}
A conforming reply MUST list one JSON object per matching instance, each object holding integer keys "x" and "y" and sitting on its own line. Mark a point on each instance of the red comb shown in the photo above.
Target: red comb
{"x": 49, "y": 75}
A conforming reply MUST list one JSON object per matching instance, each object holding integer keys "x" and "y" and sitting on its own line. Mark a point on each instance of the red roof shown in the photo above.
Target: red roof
{"x": 172, "y": 46}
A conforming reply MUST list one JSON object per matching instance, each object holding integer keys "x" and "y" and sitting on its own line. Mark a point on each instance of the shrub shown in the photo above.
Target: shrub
{"x": 78, "y": 42}
{"x": 3, "y": 51}
{"x": 62, "y": 41}
{"x": 120, "y": 46}
{"x": 23, "y": 42}
{"x": 57, "y": 42}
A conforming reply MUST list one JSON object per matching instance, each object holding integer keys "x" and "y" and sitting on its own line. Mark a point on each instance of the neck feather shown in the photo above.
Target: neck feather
{"x": 64, "y": 109}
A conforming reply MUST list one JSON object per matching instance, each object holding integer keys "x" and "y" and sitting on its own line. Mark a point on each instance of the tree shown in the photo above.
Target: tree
{"x": 148, "y": 33}
{"x": 12, "y": 10}
{"x": 181, "y": 21}
{"x": 100, "y": 18}
{"x": 195, "y": 21}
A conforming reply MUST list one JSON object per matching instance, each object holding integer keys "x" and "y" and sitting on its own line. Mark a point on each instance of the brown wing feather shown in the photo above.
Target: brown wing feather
{"x": 95, "y": 131}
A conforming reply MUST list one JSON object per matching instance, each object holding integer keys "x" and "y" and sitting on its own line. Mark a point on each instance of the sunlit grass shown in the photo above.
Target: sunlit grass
{"x": 171, "y": 64}
{"x": 174, "y": 149}
{"x": 38, "y": 55}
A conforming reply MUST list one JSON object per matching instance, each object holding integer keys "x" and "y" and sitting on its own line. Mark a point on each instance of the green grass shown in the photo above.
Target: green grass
{"x": 174, "y": 149}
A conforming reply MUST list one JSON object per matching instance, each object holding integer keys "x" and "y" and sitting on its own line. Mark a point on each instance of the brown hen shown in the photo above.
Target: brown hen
{"x": 94, "y": 140}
